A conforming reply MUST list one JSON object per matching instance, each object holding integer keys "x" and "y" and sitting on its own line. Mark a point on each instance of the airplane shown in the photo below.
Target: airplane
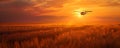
{"x": 83, "y": 12}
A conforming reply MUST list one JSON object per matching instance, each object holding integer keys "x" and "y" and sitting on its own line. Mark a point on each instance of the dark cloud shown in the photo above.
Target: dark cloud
{"x": 4, "y": 0}
{"x": 15, "y": 11}
{"x": 18, "y": 7}
{"x": 14, "y": 8}
{"x": 32, "y": 19}
{"x": 24, "y": 4}
{"x": 16, "y": 3}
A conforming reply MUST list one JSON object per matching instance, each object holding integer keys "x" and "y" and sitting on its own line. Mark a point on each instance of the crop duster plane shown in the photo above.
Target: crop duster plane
{"x": 83, "y": 12}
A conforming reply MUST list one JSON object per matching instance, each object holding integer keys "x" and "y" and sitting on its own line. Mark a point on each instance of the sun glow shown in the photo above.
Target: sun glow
{"x": 77, "y": 13}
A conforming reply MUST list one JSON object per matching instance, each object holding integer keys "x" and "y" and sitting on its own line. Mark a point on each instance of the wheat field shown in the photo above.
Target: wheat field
{"x": 87, "y": 36}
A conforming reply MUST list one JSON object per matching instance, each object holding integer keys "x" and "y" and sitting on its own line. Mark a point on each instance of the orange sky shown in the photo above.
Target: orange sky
{"x": 103, "y": 10}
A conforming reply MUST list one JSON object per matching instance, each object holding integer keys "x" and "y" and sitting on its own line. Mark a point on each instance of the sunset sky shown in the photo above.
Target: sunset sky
{"x": 59, "y": 11}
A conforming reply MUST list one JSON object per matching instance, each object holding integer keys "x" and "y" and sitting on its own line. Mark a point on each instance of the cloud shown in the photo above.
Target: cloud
{"x": 32, "y": 19}
{"x": 109, "y": 18}
{"x": 22, "y": 7}
{"x": 35, "y": 7}
{"x": 27, "y": 11}
{"x": 51, "y": 3}
{"x": 13, "y": 8}
{"x": 101, "y": 3}
{"x": 112, "y": 3}
{"x": 4, "y": 0}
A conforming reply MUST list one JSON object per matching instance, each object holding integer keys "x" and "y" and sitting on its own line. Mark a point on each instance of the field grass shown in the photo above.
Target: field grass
{"x": 87, "y": 36}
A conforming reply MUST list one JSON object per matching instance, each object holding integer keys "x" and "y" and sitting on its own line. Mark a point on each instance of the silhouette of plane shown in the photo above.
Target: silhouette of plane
{"x": 83, "y": 12}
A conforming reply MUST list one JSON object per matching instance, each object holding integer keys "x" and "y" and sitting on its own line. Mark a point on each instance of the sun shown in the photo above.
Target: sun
{"x": 77, "y": 13}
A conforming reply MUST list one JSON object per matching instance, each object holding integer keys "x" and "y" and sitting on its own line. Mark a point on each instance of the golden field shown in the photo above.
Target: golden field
{"x": 60, "y": 36}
